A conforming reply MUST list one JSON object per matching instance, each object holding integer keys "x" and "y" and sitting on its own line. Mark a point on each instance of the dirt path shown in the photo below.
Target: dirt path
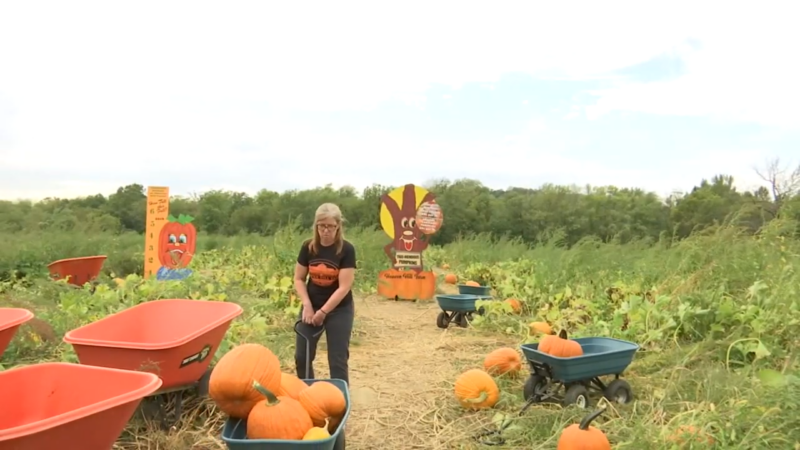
{"x": 402, "y": 369}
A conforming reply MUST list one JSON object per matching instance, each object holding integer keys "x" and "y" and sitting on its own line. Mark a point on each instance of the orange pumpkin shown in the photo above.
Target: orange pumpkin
{"x": 476, "y": 389}
{"x": 446, "y": 266}
{"x": 560, "y": 346}
{"x": 291, "y": 386}
{"x": 503, "y": 361}
{"x": 516, "y": 306}
{"x": 277, "y": 418}
{"x": 540, "y": 328}
{"x": 323, "y": 401}
{"x": 406, "y": 284}
{"x": 583, "y": 436}
{"x": 231, "y": 382}
{"x": 472, "y": 283}
{"x": 450, "y": 278}
{"x": 685, "y": 433}
{"x": 177, "y": 242}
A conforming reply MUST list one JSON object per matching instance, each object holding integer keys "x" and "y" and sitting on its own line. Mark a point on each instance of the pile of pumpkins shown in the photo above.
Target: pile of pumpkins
{"x": 476, "y": 389}
{"x": 515, "y": 304}
{"x": 247, "y": 383}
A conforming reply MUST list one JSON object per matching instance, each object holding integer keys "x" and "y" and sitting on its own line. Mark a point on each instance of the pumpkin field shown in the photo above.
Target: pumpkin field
{"x": 716, "y": 316}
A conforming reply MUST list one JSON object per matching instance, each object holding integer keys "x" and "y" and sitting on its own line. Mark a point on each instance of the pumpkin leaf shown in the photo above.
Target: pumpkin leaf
{"x": 183, "y": 219}
{"x": 171, "y": 218}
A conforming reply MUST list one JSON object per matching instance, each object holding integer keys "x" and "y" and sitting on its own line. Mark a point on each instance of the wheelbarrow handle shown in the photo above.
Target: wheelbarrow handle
{"x": 317, "y": 330}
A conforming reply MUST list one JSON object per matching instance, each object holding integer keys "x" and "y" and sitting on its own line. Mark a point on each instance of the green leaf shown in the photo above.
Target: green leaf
{"x": 183, "y": 219}
{"x": 171, "y": 218}
{"x": 772, "y": 378}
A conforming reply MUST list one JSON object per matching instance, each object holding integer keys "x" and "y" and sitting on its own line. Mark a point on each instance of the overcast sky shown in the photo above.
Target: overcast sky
{"x": 242, "y": 95}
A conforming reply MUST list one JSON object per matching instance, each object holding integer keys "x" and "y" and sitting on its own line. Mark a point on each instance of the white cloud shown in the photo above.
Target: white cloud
{"x": 85, "y": 85}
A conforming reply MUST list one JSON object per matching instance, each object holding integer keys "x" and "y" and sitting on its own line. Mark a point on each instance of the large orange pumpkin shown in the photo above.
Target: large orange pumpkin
{"x": 277, "y": 418}
{"x": 323, "y": 400}
{"x": 407, "y": 284}
{"x": 177, "y": 242}
{"x": 583, "y": 436}
{"x": 450, "y": 278}
{"x": 503, "y": 361}
{"x": 231, "y": 382}
{"x": 516, "y": 306}
{"x": 475, "y": 389}
{"x": 291, "y": 386}
{"x": 560, "y": 346}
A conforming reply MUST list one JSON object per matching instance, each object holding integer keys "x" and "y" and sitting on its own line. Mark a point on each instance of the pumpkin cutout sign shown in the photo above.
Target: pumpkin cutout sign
{"x": 409, "y": 215}
{"x": 177, "y": 243}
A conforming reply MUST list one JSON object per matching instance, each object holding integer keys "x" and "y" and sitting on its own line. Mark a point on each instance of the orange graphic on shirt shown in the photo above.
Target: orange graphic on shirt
{"x": 322, "y": 275}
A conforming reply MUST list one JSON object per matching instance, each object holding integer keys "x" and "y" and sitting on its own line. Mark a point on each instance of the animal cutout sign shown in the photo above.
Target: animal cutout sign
{"x": 170, "y": 241}
{"x": 408, "y": 215}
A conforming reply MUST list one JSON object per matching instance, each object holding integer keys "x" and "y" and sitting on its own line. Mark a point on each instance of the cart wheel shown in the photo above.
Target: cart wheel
{"x": 441, "y": 320}
{"x": 534, "y": 387}
{"x": 578, "y": 395}
{"x": 618, "y": 391}
{"x": 481, "y": 311}
{"x": 462, "y": 320}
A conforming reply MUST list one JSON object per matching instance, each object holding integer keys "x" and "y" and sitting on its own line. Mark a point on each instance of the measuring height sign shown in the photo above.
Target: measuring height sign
{"x": 157, "y": 213}
{"x": 409, "y": 215}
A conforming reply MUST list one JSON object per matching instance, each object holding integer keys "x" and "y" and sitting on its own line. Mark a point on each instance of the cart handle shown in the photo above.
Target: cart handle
{"x": 317, "y": 330}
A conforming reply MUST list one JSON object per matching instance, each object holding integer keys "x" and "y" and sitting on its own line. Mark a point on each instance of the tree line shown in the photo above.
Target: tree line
{"x": 608, "y": 212}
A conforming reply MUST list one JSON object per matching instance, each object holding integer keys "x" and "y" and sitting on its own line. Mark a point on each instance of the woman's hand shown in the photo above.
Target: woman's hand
{"x": 308, "y": 314}
{"x": 318, "y": 319}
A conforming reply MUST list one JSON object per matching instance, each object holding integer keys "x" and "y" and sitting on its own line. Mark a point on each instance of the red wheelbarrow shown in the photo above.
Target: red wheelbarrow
{"x": 61, "y": 405}
{"x": 77, "y": 271}
{"x": 10, "y": 321}
{"x": 174, "y": 339}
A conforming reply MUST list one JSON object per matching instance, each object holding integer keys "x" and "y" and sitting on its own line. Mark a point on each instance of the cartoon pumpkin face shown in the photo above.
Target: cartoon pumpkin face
{"x": 177, "y": 242}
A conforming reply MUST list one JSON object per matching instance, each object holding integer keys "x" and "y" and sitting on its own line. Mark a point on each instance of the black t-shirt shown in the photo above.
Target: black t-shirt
{"x": 323, "y": 271}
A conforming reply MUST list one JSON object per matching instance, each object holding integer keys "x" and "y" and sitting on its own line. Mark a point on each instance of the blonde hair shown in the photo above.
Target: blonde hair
{"x": 327, "y": 211}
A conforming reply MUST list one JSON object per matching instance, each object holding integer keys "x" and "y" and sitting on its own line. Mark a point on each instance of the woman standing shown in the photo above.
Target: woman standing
{"x": 323, "y": 278}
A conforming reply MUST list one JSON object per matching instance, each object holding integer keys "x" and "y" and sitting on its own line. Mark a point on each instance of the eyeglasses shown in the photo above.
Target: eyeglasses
{"x": 326, "y": 227}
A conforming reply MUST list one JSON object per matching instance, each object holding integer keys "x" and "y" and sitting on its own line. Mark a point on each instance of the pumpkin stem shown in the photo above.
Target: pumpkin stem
{"x": 481, "y": 398}
{"x": 272, "y": 399}
{"x": 562, "y": 334}
{"x": 327, "y": 422}
{"x": 589, "y": 418}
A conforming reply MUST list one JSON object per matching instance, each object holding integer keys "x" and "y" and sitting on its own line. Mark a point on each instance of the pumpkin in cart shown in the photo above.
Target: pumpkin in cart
{"x": 503, "y": 361}
{"x": 277, "y": 418}
{"x": 560, "y": 346}
{"x": 476, "y": 389}
{"x": 584, "y": 436}
{"x": 291, "y": 386}
{"x": 323, "y": 400}
{"x": 231, "y": 382}
{"x": 472, "y": 283}
{"x": 318, "y": 433}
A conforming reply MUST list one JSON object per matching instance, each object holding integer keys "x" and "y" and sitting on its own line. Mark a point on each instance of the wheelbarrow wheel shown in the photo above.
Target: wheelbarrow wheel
{"x": 202, "y": 384}
{"x": 462, "y": 320}
{"x": 534, "y": 387}
{"x": 442, "y": 320}
{"x": 618, "y": 391}
{"x": 578, "y": 395}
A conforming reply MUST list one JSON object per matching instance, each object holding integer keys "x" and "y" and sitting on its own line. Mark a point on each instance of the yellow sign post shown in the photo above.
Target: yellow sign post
{"x": 157, "y": 213}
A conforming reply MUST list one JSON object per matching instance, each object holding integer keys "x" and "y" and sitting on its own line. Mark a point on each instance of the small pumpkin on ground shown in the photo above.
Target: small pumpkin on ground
{"x": 291, "y": 385}
{"x": 476, "y": 389}
{"x": 540, "y": 328}
{"x": 516, "y": 306}
{"x": 472, "y": 283}
{"x": 446, "y": 266}
{"x": 450, "y": 278}
{"x": 560, "y": 346}
{"x": 318, "y": 433}
{"x": 231, "y": 382}
{"x": 278, "y": 417}
{"x": 323, "y": 401}
{"x": 503, "y": 361}
{"x": 686, "y": 433}
{"x": 583, "y": 436}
